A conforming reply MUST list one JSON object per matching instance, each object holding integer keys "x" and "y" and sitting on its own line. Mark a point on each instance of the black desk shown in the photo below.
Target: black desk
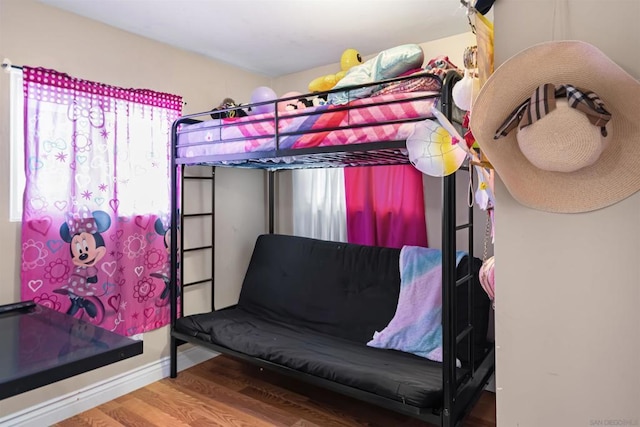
{"x": 39, "y": 346}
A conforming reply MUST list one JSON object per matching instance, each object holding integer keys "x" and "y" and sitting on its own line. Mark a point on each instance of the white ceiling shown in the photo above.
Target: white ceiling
{"x": 278, "y": 37}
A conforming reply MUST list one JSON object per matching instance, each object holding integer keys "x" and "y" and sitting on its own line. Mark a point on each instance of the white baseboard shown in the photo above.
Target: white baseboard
{"x": 63, "y": 407}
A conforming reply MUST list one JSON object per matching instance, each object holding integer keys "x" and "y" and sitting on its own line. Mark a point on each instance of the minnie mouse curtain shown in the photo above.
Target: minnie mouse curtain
{"x": 96, "y": 202}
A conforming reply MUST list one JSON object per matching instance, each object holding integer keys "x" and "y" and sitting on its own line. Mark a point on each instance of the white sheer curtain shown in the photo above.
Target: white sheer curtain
{"x": 16, "y": 114}
{"x": 319, "y": 208}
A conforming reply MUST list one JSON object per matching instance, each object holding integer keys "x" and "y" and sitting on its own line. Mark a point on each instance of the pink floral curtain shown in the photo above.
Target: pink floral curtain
{"x": 96, "y": 203}
{"x": 385, "y": 206}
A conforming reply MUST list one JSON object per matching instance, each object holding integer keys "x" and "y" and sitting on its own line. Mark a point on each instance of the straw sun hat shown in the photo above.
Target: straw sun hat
{"x": 566, "y": 161}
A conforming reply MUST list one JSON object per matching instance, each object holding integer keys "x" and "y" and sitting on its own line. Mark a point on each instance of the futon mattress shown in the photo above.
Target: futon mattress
{"x": 396, "y": 375}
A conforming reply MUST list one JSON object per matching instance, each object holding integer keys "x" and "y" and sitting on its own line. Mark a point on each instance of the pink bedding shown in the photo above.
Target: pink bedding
{"x": 326, "y": 125}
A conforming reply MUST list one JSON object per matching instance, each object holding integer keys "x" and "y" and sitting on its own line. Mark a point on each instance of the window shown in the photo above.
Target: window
{"x": 141, "y": 189}
{"x": 319, "y": 209}
{"x": 16, "y": 145}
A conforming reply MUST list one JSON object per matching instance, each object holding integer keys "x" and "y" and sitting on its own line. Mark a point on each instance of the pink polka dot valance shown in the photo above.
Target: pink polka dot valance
{"x": 52, "y": 86}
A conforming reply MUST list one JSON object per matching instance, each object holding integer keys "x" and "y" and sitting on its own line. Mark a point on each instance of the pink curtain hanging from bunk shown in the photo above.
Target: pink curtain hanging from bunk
{"x": 385, "y": 206}
{"x": 96, "y": 203}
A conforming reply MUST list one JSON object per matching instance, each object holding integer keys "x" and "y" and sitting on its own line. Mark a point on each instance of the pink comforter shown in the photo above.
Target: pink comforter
{"x": 325, "y": 125}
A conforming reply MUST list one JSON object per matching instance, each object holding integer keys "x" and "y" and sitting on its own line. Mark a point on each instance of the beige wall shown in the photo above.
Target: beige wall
{"x": 568, "y": 286}
{"x": 37, "y": 35}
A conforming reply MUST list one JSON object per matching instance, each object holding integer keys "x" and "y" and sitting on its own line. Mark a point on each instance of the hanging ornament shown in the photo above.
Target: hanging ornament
{"x": 466, "y": 90}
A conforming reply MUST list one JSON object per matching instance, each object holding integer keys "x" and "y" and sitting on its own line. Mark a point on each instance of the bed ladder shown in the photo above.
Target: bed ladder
{"x": 459, "y": 394}
{"x": 184, "y": 217}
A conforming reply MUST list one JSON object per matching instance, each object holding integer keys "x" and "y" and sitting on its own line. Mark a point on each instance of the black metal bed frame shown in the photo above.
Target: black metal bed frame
{"x": 461, "y": 388}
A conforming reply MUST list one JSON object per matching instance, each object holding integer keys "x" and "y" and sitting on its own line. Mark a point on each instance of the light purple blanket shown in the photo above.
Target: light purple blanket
{"x": 416, "y": 326}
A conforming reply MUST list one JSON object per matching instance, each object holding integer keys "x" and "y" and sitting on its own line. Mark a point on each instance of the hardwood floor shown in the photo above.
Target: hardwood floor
{"x": 226, "y": 392}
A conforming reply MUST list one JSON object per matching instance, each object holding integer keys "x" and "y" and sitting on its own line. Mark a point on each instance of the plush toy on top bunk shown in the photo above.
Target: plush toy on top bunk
{"x": 261, "y": 95}
{"x": 226, "y": 104}
{"x": 295, "y": 101}
{"x": 349, "y": 59}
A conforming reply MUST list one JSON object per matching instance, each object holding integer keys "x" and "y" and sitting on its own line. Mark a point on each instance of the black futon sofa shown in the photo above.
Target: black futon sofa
{"x": 311, "y": 306}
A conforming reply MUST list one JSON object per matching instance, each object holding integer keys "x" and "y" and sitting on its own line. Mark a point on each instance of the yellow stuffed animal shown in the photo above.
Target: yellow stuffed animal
{"x": 350, "y": 58}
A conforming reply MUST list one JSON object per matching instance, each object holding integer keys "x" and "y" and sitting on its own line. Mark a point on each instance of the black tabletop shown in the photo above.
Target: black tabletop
{"x": 39, "y": 346}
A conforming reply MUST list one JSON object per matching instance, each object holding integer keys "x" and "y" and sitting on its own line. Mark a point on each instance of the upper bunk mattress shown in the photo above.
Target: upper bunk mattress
{"x": 387, "y": 117}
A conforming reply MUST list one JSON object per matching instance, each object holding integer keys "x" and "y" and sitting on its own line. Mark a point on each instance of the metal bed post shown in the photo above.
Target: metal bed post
{"x": 448, "y": 300}
{"x": 450, "y": 337}
{"x": 180, "y": 255}
{"x": 448, "y": 277}
{"x": 173, "y": 252}
{"x": 271, "y": 175}
{"x": 213, "y": 238}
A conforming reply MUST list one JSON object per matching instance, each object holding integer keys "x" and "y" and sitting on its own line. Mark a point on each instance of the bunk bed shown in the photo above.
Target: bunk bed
{"x": 342, "y": 135}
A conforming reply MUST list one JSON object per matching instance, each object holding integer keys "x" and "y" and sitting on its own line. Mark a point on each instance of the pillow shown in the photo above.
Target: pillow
{"x": 387, "y": 64}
